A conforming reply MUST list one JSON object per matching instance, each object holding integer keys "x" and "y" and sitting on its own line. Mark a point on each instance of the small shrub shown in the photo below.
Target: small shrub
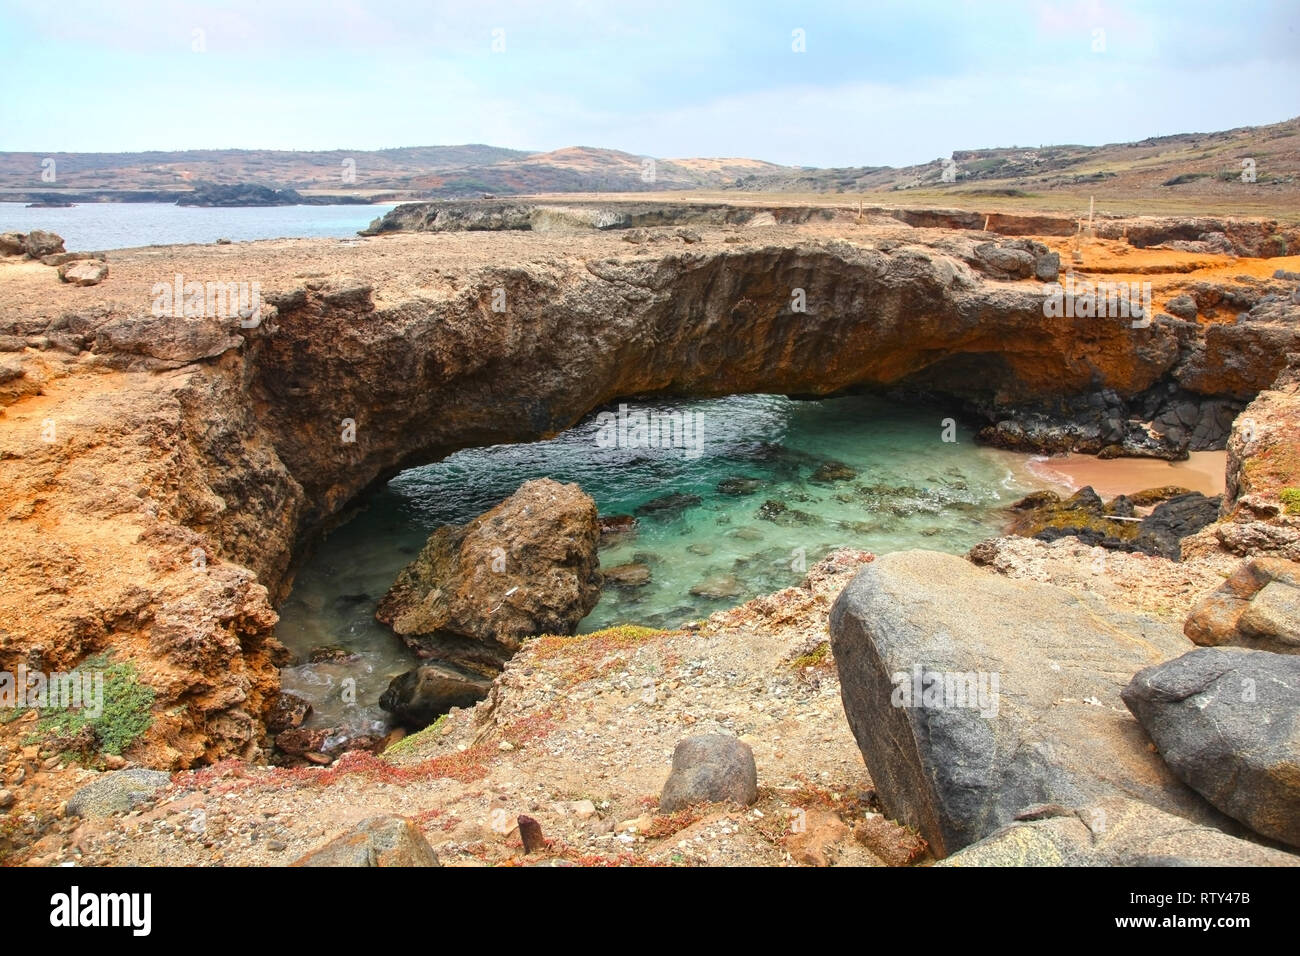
{"x": 1291, "y": 500}
{"x": 126, "y": 717}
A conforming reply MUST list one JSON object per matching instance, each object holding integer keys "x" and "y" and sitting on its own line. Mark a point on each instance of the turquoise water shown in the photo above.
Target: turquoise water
{"x": 96, "y": 226}
{"x": 888, "y": 482}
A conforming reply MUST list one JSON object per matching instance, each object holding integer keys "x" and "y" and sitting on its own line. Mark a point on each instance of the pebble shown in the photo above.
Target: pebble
{"x": 6, "y": 799}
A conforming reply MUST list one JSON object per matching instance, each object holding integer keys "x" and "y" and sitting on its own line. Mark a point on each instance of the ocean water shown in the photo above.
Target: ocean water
{"x": 98, "y": 226}
{"x": 772, "y": 485}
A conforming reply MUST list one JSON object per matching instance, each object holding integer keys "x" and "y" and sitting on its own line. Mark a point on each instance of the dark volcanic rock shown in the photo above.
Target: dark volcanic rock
{"x": 1183, "y": 306}
{"x": 1161, "y": 532}
{"x": 1228, "y": 723}
{"x": 420, "y": 696}
{"x": 710, "y": 769}
{"x": 957, "y": 758}
{"x": 1045, "y": 516}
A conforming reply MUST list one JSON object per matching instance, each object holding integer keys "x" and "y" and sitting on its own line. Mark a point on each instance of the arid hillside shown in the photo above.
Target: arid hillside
{"x": 1250, "y": 170}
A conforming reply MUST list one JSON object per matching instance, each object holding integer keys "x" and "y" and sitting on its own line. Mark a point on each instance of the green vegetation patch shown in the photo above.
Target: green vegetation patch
{"x": 126, "y": 714}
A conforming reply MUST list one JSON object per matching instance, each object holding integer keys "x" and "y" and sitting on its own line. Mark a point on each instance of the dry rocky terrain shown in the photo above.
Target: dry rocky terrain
{"x": 160, "y": 475}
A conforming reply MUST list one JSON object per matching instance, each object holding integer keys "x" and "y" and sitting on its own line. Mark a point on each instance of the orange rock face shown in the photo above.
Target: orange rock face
{"x": 159, "y": 474}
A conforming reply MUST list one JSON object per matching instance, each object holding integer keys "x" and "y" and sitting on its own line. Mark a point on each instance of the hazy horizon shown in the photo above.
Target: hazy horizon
{"x": 895, "y": 84}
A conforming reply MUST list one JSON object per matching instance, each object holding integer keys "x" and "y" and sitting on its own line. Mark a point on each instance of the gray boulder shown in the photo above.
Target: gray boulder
{"x": 12, "y": 244}
{"x": 1113, "y": 832}
{"x": 1047, "y": 268}
{"x": 1228, "y": 723}
{"x": 376, "y": 841}
{"x": 1004, "y": 261}
{"x": 711, "y": 768}
{"x": 973, "y": 696}
{"x": 1183, "y": 306}
{"x": 117, "y": 792}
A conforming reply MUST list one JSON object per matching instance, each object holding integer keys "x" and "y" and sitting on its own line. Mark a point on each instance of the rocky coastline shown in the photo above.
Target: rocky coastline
{"x": 164, "y": 472}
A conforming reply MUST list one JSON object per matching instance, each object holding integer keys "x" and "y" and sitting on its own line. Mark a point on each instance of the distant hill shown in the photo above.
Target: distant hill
{"x": 1182, "y": 168}
{"x": 1206, "y": 164}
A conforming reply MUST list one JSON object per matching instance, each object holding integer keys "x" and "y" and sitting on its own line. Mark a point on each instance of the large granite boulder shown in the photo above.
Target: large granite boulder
{"x": 1228, "y": 723}
{"x": 1113, "y": 832}
{"x": 475, "y": 591}
{"x": 1257, "y": 607}
{"x": 973, "y": 696}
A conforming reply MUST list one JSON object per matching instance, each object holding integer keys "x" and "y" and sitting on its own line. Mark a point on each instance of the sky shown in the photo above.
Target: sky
{"x": 871, "y": 82}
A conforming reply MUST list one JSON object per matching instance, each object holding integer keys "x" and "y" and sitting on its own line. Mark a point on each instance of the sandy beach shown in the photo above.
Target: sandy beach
{"x": 1203, "y": 472}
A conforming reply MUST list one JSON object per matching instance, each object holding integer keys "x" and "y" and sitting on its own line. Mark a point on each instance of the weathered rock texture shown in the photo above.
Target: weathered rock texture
{"x": 375, "y": 841}
{"x": 526, "y": 567}
{"x": 160, "y": 473}
{"x": 1053, "y": 730}
{"x": 1257, "y": 607}
{"x": 711, "y": 768}
{"x": 1228, "y": 723}
{"x": 1113, "y": 832}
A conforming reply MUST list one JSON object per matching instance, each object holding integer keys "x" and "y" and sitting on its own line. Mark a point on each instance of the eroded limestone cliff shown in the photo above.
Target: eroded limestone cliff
{"x": 160, "y": 472}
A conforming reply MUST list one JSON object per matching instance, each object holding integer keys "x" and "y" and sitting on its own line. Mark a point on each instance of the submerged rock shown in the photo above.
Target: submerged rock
{"x": 925, "y": 643}
{"x": 632, "y": 575}
{"x": 711, "y": 768}
{"x": 738, "y": 485}
{"x": 779, "y": 513}
{"x": 832, "y": 471}
{"x": 526, "y": 567}
{"x": 1227, "y": 722}
{"x": 717, "y": 587}
{"x": 669, "y": 506}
